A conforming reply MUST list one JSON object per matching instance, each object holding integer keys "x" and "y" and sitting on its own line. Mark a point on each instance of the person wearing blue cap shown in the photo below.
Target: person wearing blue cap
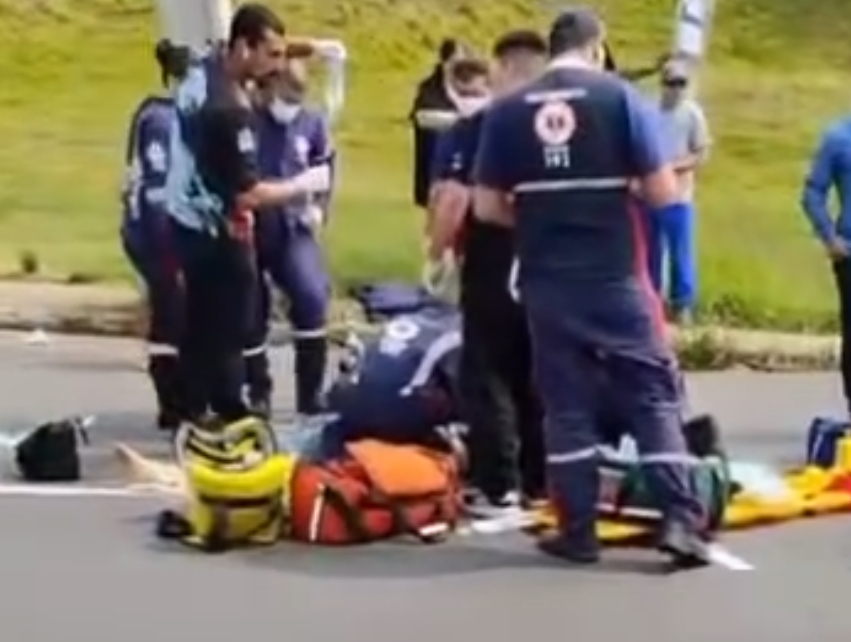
{"x": 559, "y": 161}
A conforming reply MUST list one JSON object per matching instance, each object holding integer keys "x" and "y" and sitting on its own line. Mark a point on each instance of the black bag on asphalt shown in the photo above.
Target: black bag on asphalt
{"x": 51, "y": 452}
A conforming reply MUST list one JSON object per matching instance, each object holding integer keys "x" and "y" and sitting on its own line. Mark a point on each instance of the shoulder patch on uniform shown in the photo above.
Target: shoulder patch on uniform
{"x": 245, "y": 141}
{"x": 302, "y": 147}
{"x": 156, "y": 157}
{"x": 555, "y": 122}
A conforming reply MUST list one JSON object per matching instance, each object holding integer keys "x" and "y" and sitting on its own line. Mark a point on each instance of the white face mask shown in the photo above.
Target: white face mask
{"x": 469, "y": 106}
{"x": 282, "y": 111}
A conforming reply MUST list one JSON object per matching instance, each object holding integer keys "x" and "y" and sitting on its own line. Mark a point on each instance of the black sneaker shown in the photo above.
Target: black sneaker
{"x": 559, "y": 547}
{"x": 261, "y": 408}
{"x": 168, "y": 421}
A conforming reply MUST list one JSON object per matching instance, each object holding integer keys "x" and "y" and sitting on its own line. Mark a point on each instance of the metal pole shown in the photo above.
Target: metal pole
{"x": 194, "y": 23}
{"x": 692, "y": 29}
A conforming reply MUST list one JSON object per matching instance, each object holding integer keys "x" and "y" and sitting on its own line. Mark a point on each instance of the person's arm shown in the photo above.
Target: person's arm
{"x": 429, "y": 111}
{"x": 640, "y": 73}
{"x": 817, "y": 186}
{"x": 234, "y": 129}
{"x": 699, "y": 141}
{"x": 494, "y": 174}
{"x": 649, "y": 160}
{"x": 322, "y": 154}
{"x": 450, "y": 197}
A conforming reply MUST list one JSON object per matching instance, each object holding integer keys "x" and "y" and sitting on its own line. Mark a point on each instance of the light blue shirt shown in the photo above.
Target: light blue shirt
{"x": 187, "y": 200}
{"x": 830, "y": 168}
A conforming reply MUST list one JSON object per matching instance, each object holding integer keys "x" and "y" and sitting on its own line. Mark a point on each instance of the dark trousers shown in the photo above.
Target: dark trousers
{"x": 842, "y": 271}
{"x": 151, "y": 255}
{"x": 220, "y": 287}
{"x": 291, "y": 259}
{"x": 500, "y": 404}
{"x": 594, "y": 338}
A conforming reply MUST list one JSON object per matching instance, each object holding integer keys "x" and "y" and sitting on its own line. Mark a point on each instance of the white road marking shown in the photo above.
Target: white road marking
{"x": 71, "y": 491}
{"x": 720, "y": 556}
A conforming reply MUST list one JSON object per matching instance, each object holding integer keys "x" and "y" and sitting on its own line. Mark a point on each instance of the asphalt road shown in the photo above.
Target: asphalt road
{"x": 88, "y": 568}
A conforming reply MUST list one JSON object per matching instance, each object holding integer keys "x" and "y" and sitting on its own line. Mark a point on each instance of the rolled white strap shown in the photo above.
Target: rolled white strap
{"x": 161, "y": 350}
{"x": 255, "y": 351}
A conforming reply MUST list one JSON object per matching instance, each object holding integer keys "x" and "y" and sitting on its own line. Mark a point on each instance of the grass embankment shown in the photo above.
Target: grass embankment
{"x": 72, "y": 71}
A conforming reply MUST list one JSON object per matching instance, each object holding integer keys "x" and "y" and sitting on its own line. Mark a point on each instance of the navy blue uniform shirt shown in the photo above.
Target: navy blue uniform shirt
{"x": 213, "y": 149}
{"x": 147, "y": 158}
{"x": 488, "y": 249}
{"x": 565, "y": 147}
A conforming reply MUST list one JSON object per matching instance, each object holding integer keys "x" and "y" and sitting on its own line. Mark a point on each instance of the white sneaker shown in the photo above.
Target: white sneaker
{"x": 480, "y": 506}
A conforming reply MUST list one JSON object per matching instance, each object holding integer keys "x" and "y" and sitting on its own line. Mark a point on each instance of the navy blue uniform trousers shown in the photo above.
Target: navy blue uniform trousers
{"x": 152, "y": 256}
{"x": 291, "y": 258}
{"x": 612, "y": 332}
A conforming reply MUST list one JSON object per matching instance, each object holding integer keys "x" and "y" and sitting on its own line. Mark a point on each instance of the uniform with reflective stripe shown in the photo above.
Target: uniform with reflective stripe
{"x": 566, "y": 148}
{"x": 291, "y": 255}
{"x": 147, "y": 240}
{"x": 400, "y": 385}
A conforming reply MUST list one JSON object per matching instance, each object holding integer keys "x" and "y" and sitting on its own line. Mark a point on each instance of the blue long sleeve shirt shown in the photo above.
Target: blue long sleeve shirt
{"x": 831, "y": 168}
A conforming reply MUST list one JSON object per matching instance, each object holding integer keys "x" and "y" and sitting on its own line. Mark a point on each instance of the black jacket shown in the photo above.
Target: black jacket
{"x": 431, "y": 95}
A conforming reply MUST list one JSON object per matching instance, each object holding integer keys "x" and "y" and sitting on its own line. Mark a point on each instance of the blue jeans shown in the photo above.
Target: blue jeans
{"x": 670, "y": 234}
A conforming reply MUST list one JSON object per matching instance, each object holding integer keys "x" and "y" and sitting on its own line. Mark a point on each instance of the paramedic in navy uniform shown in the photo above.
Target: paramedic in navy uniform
{"x": 213, "y": 190}
{"x": 146, "y": 232}
{"x": 293, "y": 137}
{"x": 557, "y": 161}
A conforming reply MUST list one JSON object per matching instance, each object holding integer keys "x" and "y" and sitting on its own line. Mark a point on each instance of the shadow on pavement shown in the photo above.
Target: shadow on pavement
{"x": 413, "y": 561}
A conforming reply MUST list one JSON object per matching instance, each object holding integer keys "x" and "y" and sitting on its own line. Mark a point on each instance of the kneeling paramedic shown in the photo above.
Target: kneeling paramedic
{"x": 213, "y": 191}
{"x": 146, "y": 233}
{"x": 401, "y": 385}
{"x": 506, "y": 436}
{"x": 556, "y": 161}
{"x": 292, "y": 139}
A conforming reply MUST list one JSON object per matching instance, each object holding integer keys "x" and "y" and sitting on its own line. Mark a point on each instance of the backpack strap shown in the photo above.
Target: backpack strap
{"x": 216, "y": 542}
{"x": 358, "y": 531}
{"x": 434, "y": 533}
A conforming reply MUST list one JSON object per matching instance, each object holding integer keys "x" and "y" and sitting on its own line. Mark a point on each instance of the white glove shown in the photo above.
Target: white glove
{"x": 315, "y": 179}
{"x": 330, "y": 49}
{"x": 313, "y": 217}
{"x": 439, "y": 276}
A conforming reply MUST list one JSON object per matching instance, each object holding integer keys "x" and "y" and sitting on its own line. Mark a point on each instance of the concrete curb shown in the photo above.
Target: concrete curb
{"x": 116, "y": 311}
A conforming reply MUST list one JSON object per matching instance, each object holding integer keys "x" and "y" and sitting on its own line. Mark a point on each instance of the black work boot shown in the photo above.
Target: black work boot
{"x": 260, "y": 406}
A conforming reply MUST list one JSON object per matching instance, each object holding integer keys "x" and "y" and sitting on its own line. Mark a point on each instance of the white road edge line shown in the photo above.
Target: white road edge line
{"x": 51, "y": 490}
{"x": 721, "y": 556}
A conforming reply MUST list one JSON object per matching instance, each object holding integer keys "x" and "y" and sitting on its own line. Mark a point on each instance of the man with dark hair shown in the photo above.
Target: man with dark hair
{"x": 506, "y": 449}
{"x": 213, "y": 190}
{"x": 556, "y": 162}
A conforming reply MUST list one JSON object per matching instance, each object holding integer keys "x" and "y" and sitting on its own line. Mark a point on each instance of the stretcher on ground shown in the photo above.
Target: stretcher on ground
{"x": 812, "y": 492}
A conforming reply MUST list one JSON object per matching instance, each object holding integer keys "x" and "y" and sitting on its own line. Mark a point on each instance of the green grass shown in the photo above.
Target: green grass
{"x": 72, "y": 71}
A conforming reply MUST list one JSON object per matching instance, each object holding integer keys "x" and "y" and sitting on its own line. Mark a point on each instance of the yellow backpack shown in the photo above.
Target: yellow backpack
{"x": 237, "y": 483}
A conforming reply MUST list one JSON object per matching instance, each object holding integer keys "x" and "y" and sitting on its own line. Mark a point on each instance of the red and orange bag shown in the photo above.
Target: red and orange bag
{"x": 376, "y": 491}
